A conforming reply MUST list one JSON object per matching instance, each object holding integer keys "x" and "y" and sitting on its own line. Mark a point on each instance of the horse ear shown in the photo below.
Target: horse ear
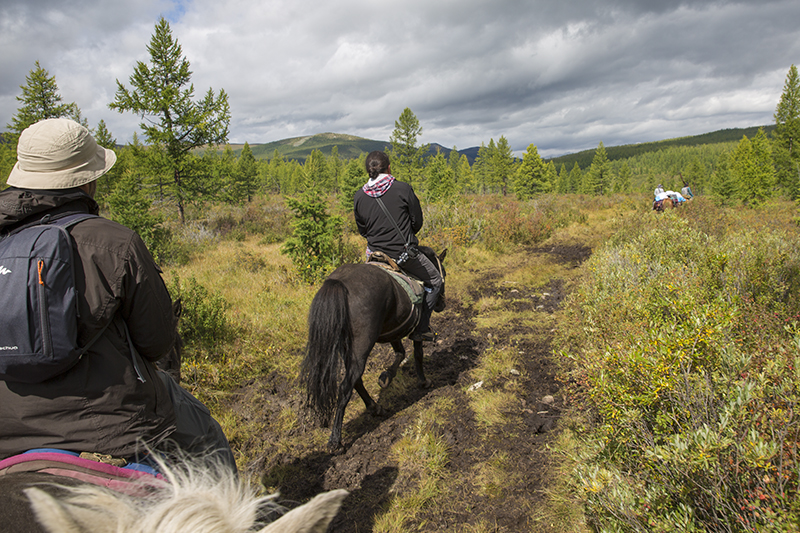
{"x": 312, "y": 517}
{"x": 442, "y": 255}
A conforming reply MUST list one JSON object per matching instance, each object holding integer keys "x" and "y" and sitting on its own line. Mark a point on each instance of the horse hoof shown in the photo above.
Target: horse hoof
{"x": 376, "y": 410}
{"x": 335, "y": 449}
{"x": 384, "y": 380}
{"x": 426, "y": 384}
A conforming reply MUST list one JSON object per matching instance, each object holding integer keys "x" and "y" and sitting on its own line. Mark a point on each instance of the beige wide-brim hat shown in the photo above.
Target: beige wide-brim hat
{"x": 58, "y": 153}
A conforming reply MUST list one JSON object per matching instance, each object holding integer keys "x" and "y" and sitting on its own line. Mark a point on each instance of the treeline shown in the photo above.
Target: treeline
{"x": 731, "y": 135}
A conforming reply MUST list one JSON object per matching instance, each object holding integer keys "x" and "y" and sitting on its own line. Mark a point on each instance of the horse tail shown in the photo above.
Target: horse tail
{"x": 330, "y": 341}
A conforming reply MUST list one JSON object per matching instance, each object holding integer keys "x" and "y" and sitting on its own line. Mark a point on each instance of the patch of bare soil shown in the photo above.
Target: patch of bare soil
{"x": 367, "y": 471}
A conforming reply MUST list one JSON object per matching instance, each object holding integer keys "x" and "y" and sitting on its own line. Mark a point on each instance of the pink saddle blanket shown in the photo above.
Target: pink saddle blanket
{"x": 126, "y": 480}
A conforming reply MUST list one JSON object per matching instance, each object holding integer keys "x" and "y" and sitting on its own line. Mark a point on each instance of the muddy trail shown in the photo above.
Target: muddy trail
{"x": 367, "y": 469}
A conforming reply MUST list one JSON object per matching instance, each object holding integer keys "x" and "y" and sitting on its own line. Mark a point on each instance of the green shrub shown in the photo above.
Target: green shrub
{"x": 203, "y": 322}
{"x": 684, "y": 348}
{"x": 317, "y": 244}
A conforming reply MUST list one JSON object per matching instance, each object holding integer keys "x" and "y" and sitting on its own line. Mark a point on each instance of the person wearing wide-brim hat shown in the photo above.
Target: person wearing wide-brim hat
{"x": 113, "y": 401}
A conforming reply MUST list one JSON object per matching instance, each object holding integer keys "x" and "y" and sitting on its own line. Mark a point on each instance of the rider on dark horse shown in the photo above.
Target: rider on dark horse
{"x": 382, "y": 235}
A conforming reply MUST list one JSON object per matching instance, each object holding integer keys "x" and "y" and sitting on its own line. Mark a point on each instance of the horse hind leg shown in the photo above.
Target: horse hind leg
{"x": 422, "y": 381}
{"x": 387, "y": 376}
{"x": 345, "y": 393}
{"x": 352, "y": 380}
{"x": 372, "y": 406}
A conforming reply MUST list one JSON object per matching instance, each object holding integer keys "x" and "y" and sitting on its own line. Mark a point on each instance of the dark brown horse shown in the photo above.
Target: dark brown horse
{"x": 357, "y": 306}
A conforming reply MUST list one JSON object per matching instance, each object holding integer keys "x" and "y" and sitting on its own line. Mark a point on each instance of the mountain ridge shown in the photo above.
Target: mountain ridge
{"x": 352, "y": 146}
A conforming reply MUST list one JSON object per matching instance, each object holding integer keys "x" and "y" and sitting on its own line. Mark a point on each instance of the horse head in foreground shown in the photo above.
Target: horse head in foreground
{"x": 195, "y": 497}
{"x": 357, "y": 306}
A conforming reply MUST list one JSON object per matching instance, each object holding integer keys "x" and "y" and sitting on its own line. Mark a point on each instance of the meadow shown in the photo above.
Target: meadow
{"x": 667, "y": 344}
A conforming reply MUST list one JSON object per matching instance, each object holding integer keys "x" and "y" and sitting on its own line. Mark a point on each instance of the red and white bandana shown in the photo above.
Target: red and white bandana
{"x": 378, "y": 186}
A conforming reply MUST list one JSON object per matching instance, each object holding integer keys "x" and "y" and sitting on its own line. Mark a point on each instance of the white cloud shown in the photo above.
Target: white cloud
{"x": 563, "y": 76}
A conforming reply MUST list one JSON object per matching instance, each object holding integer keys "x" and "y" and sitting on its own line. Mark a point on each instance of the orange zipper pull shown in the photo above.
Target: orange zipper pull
{"x": 41, "y": 266}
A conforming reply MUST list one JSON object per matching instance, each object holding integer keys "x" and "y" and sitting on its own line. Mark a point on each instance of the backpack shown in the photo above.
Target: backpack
{"x": 39, "y": 301}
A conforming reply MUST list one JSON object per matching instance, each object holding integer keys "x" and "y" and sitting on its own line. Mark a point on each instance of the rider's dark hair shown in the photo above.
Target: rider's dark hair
{"x": 376, "y": 163}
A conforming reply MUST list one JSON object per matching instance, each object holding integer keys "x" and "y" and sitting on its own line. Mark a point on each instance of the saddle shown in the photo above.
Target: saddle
{"x": 131, "y": 479}
{"x": 413, "y": 287}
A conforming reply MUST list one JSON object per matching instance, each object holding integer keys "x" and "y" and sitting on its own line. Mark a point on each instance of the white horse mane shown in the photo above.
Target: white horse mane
{"x": 198, "y": 498}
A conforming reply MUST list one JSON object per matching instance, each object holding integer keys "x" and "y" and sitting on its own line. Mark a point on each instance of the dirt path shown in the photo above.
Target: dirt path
{"x": 367, "y": 468}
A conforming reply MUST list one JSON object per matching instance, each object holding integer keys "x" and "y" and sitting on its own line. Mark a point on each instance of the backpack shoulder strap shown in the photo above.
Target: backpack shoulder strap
{"x": 66, "y": 221}
{"x": 396, "y": 227}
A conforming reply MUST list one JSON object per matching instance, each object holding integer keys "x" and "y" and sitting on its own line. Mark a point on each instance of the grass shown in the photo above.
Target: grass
{"x": 422, "y": 456}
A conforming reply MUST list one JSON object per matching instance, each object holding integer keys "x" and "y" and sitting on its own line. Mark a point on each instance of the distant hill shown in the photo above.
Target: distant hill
{"x": 299, "y": 148}
{"x": 351, "y": 147}
{"x": 584, "y": 158}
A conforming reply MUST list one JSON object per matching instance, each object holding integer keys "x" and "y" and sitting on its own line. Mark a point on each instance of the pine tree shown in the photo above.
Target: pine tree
{"x": 623, "y": 182}
{"x": 314, "y": 171}
{"x": 532, "y": 175}
{"x": 696, "y": 175}
{"x": 104, "y": 138}
{"x": 502, "y": 170}
{"x": 440, "y": 182}
{"x": 562, "y": 181}
{"x": 787, "y": 135}
{"x": 316, "y": 244}
{"x": 333, "y": 169}
{"x": 597, "y": 179}
{"x": 129, "y": 205}
{"x": 247, "y": 172}
{"x": 40, "y": 100}
{"x": 227, "y": 181}
{"x": 483, "y": 166}
{"x": 8, "y": 158}
{"x": 465, "y": 178}
{"x": 172, "y": 122}
{"x": 551, "y": 175}
{"x": 723, "y": 184}
{"x": 575, "y": 178}
{"x": 406, "y": 156}
{"x": 453, "y": 161}
{"x": 753, "y": 170}
{"x": 353, "y": 178}
{"x": 275, "y": 169}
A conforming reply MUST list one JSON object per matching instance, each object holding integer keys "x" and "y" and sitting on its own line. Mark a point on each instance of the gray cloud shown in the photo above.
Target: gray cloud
{"x": 562, "y": 75}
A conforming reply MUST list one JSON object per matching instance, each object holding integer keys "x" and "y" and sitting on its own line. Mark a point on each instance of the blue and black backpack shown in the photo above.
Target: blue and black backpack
{"x": 39, "y": 301}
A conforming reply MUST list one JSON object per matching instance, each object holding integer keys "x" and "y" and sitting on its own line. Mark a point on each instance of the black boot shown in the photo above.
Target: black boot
{"x": 423, "y": 331}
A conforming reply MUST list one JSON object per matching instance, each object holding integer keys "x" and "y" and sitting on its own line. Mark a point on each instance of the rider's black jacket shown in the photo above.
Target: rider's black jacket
{"x": 379, "y": 231}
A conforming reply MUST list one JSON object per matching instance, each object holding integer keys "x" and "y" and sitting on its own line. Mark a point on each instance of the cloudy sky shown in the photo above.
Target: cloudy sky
{"x": 561, "y": 74}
